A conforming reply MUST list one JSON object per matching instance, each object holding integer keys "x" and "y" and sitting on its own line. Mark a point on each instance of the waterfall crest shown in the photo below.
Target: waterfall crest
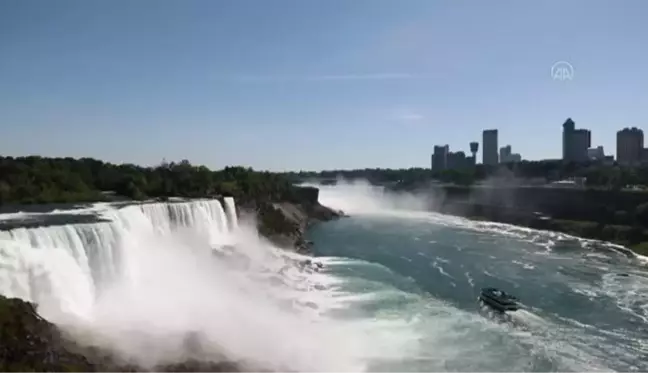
{"x": 65, "y": 268}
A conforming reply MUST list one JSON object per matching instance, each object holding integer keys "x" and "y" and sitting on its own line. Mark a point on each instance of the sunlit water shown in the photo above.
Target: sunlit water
{"x": 397, "y": 291}
{"x": 586, "y": 303}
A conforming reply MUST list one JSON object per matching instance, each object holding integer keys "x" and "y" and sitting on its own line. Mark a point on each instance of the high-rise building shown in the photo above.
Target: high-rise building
{"x": 596, "y": 154}
{"x": 576, "y": 142}
{"x": 456, "y": 160}
{"x": 504, "y": 153}
{"x": 489, "y": 153}
{"x": 568, "y": 127}
{"x": 507, "y": 156}
{"x": 629, "y": 147}
{"x": 440, "y": 157}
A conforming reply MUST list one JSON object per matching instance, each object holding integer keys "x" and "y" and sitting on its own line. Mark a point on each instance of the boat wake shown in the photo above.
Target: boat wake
{"x": 582, "y": 302}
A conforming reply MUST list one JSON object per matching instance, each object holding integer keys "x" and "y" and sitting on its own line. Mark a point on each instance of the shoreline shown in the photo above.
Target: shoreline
{"x": 579, "y": 229}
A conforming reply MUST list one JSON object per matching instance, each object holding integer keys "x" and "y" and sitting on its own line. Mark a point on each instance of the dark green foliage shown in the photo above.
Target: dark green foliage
{"x": 28, "y": 180}
{"x": 598, "y": 175}
{"x": 641, "y": 248}
{"x": 641, "y": 213}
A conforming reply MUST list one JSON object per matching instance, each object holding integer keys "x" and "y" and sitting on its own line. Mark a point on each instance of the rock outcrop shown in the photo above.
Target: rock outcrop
{"x": 29, "y": 343}
{"x": 285, "y": 222}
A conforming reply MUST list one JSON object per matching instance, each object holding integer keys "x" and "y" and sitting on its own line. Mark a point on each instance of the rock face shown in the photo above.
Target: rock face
{"x": 285, "y": 223}
{"x": 560, "y": 203}
{"x": 30, "y": 343}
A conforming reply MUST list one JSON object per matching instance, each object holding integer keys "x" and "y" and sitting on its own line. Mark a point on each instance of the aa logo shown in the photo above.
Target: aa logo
{"x": 562, "y": 70}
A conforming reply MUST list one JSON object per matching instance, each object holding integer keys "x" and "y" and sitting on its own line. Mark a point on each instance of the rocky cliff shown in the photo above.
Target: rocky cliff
{"x": 28, "y": 343}
{"x": 285, "y": 222}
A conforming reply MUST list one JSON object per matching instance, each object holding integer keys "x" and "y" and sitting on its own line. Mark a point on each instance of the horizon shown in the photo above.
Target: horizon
{"x": 318, "y": 85}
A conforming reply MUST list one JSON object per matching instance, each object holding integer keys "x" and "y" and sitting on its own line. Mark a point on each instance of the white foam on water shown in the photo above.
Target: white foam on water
{"x": 568, "y": 348}
{"x": 160, "y": 272}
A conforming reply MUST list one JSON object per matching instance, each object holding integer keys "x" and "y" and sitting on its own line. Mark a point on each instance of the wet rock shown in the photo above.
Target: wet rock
{"x": 30, "y": 343}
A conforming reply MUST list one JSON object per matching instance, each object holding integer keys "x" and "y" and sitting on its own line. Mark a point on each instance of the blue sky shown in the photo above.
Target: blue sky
{"x": 314, "y": 84}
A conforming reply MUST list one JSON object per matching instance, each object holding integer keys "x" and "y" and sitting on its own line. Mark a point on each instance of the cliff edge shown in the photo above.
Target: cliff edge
{"x": 285, "y": 222}
{"x": 29, "y": 343}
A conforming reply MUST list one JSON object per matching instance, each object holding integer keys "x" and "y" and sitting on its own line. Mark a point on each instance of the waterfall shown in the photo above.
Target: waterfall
{"x": 230, "y": 207}
{"x": 63, "y": 269}
{"x": 147, "y": 276}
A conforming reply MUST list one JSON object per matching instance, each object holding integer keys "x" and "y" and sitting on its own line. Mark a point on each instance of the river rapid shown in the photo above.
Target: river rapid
{"x": 585, "y": 302}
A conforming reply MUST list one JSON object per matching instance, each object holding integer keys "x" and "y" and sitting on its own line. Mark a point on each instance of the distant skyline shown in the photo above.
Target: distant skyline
{"x": 317, "y": 84}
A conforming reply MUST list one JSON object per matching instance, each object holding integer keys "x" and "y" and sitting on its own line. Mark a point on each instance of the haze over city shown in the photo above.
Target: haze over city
{"x": 314, "y": 85}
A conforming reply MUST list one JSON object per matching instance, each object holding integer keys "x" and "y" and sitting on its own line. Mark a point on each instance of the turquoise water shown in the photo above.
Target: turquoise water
{"x": 423, "y": 271}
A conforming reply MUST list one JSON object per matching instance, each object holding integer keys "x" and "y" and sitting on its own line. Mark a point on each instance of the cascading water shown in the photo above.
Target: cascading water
{"x": 158, "y": 272}
{"x": 232, "y": 217}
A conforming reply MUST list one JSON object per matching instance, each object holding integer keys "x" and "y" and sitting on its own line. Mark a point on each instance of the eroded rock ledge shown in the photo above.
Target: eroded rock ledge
{"x": 31, "y": 343}
{"x": 285, "y": 222}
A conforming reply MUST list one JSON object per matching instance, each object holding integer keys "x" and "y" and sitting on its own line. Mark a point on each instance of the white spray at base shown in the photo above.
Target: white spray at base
{"x": 456, "y": 339}
{"x": 359, "y": 197}
{"x": 160, "y": 272}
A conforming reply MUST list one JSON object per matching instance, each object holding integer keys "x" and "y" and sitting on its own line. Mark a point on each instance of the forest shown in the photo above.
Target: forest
{"x": 40, "y": 180}
{"x": 598, "y": 175}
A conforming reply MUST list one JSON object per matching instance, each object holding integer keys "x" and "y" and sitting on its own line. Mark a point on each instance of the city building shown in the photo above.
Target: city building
{"x": 474, "y": 148}
{"x": 489, "y": 152}
{"x": 504, "y": 153}
{"x": 440, "y": 157}
{"x": 444, "y": 159}
{"x": 629, "y": 146}
{"x": 457, "y": 160}
{"x": 507, "y": 156}
{"x": 576, "y": 142}
{"x": 596, "y": 154}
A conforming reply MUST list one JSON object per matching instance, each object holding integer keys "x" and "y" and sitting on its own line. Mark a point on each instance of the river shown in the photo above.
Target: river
{"x": 397, "y": 290}
{"x": 585, "y": 303}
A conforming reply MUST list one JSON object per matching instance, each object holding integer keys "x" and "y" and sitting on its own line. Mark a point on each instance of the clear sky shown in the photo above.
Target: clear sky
{"x": 313, "y": 84}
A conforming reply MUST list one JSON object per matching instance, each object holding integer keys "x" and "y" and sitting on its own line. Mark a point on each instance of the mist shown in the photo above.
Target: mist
{"x": 360, "y": 197}
{"x": 156, "y": 291}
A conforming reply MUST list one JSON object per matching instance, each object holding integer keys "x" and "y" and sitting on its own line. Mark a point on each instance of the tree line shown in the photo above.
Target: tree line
{"x": 597, "y": 174}
{"x": 39, "y": 180}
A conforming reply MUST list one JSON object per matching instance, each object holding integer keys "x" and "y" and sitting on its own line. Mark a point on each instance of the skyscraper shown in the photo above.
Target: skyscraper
{"x": 629, "y": 147}
{"x": 507, "y": 155}
{"x": 489, "y": 153}
{"x": 440, "y": 158}
{"x": 576, "y": 142}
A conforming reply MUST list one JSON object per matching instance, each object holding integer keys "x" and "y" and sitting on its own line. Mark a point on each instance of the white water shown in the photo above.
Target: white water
{"x": 145, "y": 281}
{"x": 361, "y": 198}
{"x": 581, "y": 314}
